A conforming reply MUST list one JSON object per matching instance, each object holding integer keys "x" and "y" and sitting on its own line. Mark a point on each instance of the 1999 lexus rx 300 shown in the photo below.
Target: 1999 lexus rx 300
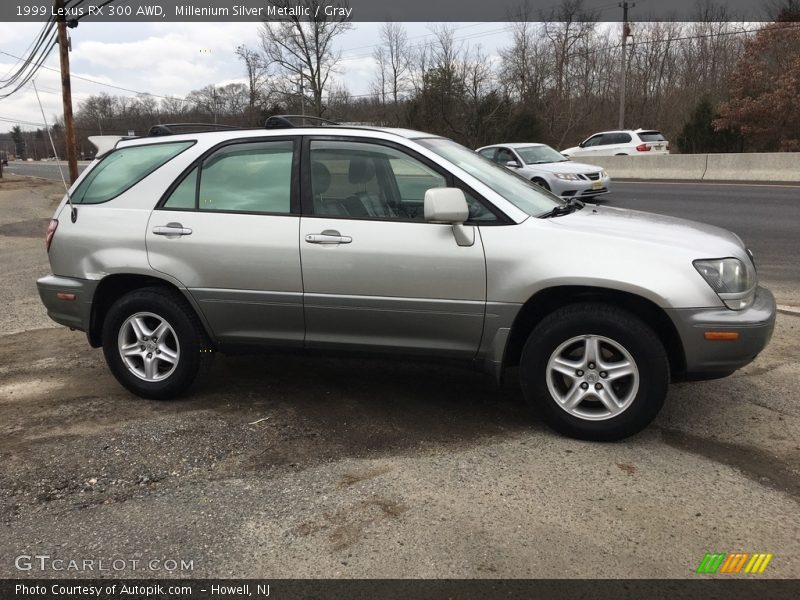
{"x": 394, "y": 242}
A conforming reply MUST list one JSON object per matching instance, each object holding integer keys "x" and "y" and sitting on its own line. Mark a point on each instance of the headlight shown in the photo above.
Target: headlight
{"x": 567, "y": 176}
{"x": 603, "y": 174}
{"x": 732, "y": 280}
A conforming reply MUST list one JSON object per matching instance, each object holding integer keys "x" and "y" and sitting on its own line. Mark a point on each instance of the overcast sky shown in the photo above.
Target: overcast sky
{"x": 175, "y": 58}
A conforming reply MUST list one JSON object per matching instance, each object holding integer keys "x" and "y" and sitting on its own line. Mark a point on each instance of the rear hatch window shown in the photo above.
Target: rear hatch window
{"x": 651, "y": 136}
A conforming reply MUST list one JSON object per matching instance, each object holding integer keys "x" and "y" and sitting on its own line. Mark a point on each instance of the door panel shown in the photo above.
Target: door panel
{"x": 243, "y": 269}
{"x": 396, "y": 285}
{"x": 229, "y": 233}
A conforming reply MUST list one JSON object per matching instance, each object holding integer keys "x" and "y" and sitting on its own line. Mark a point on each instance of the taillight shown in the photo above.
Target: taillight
{"x": 51, "y": 231}
{"x": 643, "y": 148}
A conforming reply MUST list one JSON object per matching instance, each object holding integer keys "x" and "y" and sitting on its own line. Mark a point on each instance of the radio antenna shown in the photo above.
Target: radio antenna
{"x": 72, "y": 210}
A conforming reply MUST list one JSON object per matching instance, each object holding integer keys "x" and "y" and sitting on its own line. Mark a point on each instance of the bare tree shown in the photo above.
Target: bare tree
{"x": 256, "y": 75}
{"x": 303, "y": 50}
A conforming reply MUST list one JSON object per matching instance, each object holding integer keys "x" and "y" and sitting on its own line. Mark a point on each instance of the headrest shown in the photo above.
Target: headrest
{"x": 320, "y": 178}
{"x": 361, "y": 170}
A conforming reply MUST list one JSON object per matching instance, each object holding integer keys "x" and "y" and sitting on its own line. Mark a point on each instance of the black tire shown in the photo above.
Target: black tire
{"x": 624, "y": 329}
{"x": 541, "y": 183}
{"x": 196, "y": 353}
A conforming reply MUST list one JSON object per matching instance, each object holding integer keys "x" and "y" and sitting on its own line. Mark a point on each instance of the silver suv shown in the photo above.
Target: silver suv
{"x": 395, "y": 242}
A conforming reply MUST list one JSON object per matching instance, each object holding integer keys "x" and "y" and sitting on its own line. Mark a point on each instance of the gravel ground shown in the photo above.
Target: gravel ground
{"x": 288, "y": 466}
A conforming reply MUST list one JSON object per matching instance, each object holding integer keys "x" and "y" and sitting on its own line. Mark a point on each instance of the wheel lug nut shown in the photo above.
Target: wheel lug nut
{"x": 603, "y": 374}
{"x": 141, "y": 347}
{"x": 591, "y": 365}
{"x": 584, "y": 386}
{"x": 598, "y": 386}
{"x": 149, "y": 355}
{"x": 579, "y": 373}
{"x": 158, "y": 351}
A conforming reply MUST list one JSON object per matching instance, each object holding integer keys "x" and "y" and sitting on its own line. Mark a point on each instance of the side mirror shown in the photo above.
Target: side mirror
{"x": 582, "y": 144}
{"x": 446, "y": 205}
{"x": 512, "y": 163}
{"x": 449, "y": 206}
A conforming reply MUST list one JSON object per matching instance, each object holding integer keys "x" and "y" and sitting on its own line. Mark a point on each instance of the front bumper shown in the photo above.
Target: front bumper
{"x": 706, "y": 359}
{"x": 74, "y": 306}
{"x": 583, "y": 189}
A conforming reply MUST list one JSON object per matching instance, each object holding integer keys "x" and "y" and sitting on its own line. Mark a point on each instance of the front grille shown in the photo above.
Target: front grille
{"x": 593, "y": 176}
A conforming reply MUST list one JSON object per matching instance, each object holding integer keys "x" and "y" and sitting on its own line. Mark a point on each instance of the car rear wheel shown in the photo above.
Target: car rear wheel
{"x": 154, "y": 343}
{"x": 595, "y": 372}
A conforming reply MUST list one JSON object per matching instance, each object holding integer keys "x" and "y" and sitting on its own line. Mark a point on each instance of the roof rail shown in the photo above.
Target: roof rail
{"x": 287, "y": 121}
{"x": 178, "y": 128}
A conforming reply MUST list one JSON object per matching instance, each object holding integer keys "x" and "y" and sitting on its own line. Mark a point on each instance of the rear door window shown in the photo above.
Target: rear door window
{"x": 248, "y": 177}
{"x": 123, "y": 168}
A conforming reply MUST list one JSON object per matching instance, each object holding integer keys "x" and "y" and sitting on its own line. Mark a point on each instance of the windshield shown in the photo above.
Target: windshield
{"x": 523, "y": 194}
{"x": 539, "y": 155}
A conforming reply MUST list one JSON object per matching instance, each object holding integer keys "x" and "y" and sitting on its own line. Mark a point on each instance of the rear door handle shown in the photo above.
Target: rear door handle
{"x": 171, "y": 229}
{"x": 329, "y": 236}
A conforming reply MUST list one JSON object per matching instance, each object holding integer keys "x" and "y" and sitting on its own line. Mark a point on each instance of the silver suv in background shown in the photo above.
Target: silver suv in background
{"x": 549, "y": 169}
{"x": 629, "y": 142}
{"x": 399, "y": 243}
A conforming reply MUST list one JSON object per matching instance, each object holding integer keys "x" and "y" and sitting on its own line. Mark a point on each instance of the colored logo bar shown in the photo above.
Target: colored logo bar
{"x": 736, "y": 562}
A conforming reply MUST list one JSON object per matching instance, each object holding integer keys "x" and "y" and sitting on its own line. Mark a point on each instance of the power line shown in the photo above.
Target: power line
{"x": 48, "y": 26}
{"x": 109, "y": 85}
{"x": 38, "y": 64}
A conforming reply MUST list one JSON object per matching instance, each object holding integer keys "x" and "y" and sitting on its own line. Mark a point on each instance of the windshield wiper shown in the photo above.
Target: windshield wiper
{"x": 563, "y": 209}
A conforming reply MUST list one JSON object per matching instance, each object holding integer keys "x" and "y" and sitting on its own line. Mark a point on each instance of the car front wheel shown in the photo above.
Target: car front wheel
{"x": 541, "y": 183}
{"x": 595, "y": 372}
{"x": 154, "y": 343}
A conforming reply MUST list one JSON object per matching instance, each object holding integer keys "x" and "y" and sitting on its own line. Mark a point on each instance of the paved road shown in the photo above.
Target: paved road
{"x": 767, "y": 217}
{"x": 46, "y": 170}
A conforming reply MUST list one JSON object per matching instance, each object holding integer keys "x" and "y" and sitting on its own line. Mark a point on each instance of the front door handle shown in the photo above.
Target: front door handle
{"x": 329, "y": 236}
{"x": 172, "y": 229}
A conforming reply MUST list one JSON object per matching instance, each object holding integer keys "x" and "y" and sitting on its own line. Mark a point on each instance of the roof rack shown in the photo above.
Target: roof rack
{"x": 287, "y": 121}
{"x": 178, "y": 128}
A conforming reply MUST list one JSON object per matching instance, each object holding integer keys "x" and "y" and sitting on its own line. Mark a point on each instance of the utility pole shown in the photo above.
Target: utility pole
{"x": 626, "y": 31}
{"x": 66, "y": 90}
{"x": 302, "y": 96}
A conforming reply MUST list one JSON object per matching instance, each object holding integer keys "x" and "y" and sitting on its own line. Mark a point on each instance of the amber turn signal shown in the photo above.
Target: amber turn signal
{"x": 721, "y": 336}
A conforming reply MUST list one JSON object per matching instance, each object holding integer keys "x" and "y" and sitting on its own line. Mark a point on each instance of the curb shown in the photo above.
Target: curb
{"x": 789, "y": 310}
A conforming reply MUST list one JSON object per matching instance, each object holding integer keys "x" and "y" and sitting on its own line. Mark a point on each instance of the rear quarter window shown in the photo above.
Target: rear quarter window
{"x": 124, "y": 168}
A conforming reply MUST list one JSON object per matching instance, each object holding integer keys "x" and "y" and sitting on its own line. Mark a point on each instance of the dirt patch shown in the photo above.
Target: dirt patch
{"x": 349, "y": 479}
{"x": 32, "y": 228}
{"x": 626, "y": 468}
{"x": 347, "y": 526}
{"x": 15, "y": 182}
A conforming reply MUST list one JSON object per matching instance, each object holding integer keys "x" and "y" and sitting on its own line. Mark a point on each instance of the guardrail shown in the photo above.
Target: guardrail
{"x": 756, "y": 166}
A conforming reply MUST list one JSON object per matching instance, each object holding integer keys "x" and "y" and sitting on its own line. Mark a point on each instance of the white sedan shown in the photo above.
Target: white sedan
{"x": 548, "y": 168}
